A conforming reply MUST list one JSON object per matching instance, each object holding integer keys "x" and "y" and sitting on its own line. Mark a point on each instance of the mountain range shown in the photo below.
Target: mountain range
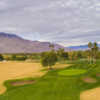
{"x": 80, "y": 47}
{"x": 10, "y": 43}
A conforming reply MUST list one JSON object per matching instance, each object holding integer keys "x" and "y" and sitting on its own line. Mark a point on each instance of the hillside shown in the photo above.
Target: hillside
{"x": 10, "y": 43}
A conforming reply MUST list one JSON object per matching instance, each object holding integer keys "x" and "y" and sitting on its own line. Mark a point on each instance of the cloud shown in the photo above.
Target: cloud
{"x": 68, "y": 22}
{"x": 2, "y": 5}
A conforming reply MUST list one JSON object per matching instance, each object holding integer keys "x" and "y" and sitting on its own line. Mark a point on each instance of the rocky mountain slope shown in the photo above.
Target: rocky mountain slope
{"x": 10, "y": 43}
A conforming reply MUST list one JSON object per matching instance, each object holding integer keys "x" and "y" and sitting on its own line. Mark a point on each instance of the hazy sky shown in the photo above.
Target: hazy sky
{"x": 68, "y": 22}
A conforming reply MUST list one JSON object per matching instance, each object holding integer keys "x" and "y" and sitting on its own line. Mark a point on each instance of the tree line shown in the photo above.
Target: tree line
{"x": 50, "y": 58}
{"x": 20, "y": 57}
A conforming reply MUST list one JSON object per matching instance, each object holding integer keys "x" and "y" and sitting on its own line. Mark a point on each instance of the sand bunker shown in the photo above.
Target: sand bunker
{"x": 93, "y": 94}
{"x": 89, "y": 80}
{"x": 98, "y": 74}
{"x": 20, "y": 83}
{"x": 16, "y": 70}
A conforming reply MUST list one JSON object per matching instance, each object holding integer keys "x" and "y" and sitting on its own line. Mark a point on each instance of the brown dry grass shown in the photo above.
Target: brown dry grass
{"x": 93, "y": 94}
{"x": 16, "y": 70}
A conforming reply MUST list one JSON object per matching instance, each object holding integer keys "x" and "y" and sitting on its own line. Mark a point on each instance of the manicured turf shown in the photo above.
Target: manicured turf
{"x": 72, "y": 72}
{"x": 52, "y": 87}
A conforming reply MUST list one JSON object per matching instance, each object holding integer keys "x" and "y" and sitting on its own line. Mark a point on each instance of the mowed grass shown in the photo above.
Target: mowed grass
{"x": 72, "y": 72}
{"x": 53, "y": 86}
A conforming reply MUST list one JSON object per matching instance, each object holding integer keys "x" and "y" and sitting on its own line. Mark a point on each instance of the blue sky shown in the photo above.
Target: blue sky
{"x": 67, "y": 22}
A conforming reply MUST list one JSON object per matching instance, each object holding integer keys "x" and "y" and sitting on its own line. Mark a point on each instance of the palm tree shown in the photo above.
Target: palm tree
{"x": 90, "y": 45}
{"x": 95, "y": 51}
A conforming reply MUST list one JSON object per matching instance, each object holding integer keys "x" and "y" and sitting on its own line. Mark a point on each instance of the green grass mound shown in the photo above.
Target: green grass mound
{"x": 72, "y": 72}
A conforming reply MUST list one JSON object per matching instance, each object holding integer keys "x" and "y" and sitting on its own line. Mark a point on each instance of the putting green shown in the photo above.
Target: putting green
{"x": 72, "y": 72}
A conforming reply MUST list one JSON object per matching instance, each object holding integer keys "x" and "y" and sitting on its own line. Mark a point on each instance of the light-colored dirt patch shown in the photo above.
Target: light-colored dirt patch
{"x": 93, "y": 94}
{"x": 60, "y": 66}
{"x": 16, "y": 70}
{"x": 20, "y": 83}
{"x": 89, "y": 80}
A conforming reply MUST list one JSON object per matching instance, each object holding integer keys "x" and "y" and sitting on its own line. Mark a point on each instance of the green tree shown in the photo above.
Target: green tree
{"x": 14, "y": 57}
{"x": 49, "y": 59}
{"x": 1, "y": 58}
{"x": 79, "y": 54}
{"x": 71, "y": 55}
{"x": 19, "y": 57}
{"x": 93, "y": 51}
{"x": 62, "y": 54}
{"x": 90, "y": 45}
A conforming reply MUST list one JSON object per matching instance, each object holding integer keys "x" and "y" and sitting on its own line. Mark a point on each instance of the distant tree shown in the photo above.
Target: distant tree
{"x": 14, "y": 57}
{"x": 49, "y": 59}
{"x": 19, "y": 57}
{"x": 62, "y": 54}
{"x": 60, "y": 51}
{"x": 71, "y": 55}
{"x": 79, "y": 54}
{"x": 88, "y": 55}
{"x": 1, "y": 58}
{"x": 75, "y": 55}
{"x": 90, "y": 45}
{"x": 98, "y": 55}
{"x": 51, "y": 46}
{"x": 93, "y": 51}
